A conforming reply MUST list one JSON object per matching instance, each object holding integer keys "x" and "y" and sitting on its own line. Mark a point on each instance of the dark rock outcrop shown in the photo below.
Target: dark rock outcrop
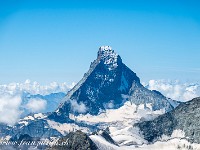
{"x": 184, "y": 117}
{"x": 75, "y": 141}
{"x": 106, "y": 136}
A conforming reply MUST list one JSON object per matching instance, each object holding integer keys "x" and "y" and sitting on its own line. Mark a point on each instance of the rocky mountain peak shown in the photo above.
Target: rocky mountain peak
{"x": 109, "y": 57}
{"x": 104, "y": 86}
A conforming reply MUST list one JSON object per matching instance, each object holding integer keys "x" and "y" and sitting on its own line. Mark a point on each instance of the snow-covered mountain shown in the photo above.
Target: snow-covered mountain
{"x": 105, "y": 82}
{"x": 184, "y": 118}
{"x": 108, "y": 84}
{"x": 109, "y": 96}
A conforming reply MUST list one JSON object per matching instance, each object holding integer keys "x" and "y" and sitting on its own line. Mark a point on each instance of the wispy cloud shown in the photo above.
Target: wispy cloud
{"x": 78, "y": 107}
{"x": 36, "y": 105}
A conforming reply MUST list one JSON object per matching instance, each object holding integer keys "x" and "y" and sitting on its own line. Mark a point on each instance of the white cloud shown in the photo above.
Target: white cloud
{"x": 11, "y": 105}
{"x": 9, "y": 109}
{"x": 175, "y": 89}
{"x": 109, "y": 105}
{"x": 36, "y": 105}
{"x": 78, "y": 107}
{"x": 35, "y": 88}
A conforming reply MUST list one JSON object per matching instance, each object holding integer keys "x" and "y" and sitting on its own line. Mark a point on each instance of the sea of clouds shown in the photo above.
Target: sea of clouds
{"x": 34, "y": 88}
{"x": 175, "y": 90}
{"x": 11, "y": 101}
{"x": 11, "y": 98}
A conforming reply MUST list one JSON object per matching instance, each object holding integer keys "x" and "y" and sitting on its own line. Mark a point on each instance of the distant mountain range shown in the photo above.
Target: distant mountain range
{"x": 51, "y": 102}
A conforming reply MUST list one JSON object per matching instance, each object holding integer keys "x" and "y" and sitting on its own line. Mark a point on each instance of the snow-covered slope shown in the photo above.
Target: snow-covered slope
{"x": 119, "y": 122}
{"x": 185, "y": 117}
{"x": 171, "y": 144}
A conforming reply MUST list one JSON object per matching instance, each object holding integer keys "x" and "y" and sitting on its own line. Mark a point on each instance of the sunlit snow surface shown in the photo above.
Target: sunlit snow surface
{"x": 172, "y": 144}
{"x": 120, "y": 123}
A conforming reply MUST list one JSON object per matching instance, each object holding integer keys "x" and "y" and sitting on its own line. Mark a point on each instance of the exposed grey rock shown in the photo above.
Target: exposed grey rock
{"x": 106, "y": 136}
{"x": 184, "y": 117}
{"x": 141, "y": 95}
{"x": 38, "y": 128}
{"x": 75, "y": 141}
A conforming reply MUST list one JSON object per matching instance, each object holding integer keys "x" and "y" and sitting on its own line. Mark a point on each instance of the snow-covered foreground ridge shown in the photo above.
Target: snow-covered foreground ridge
{"x": 120, "y": 125}
{"x": 171, "y": 144}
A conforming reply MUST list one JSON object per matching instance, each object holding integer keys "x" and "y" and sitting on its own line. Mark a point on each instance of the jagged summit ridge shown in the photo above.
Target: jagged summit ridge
{"x": 103, "y": 85}
{"x": 105, "y": 48}
{"x": 109, "y": 57}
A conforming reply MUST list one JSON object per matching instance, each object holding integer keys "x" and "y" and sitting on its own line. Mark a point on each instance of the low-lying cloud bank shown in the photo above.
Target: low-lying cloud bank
{"x": 36, "y": 105}
{"x": 9, "y": 109}
{"x": 34, "y": 88}
{"x": 12, "y": 103}
{"x": 175, "y": 89}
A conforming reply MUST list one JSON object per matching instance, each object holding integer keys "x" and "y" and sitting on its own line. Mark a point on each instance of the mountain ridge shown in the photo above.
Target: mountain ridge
{"x": 184, "y": 117}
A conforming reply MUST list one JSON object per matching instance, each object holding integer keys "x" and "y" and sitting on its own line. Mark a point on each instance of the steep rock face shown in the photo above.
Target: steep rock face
{"x": 184, "y": 117}
{"x": 103, "y": 85}
{"x": 141, "y": 95}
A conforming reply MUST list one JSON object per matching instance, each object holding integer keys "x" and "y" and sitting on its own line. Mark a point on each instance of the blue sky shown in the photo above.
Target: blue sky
{"x": 55, "y": 40}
